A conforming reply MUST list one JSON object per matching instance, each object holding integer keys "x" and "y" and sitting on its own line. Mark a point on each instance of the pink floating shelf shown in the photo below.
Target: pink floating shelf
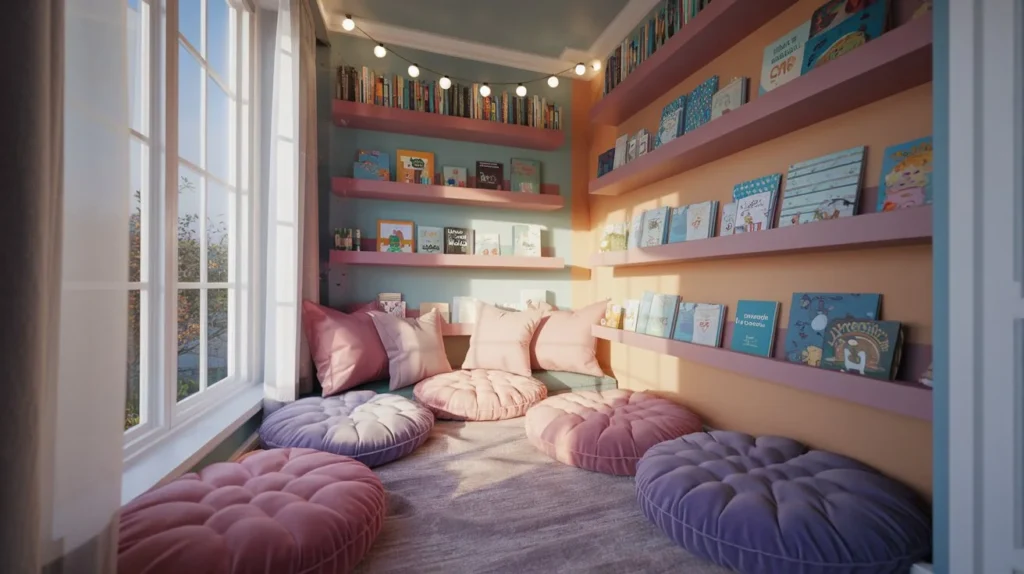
{"x": 905, "y": 399}
{"x": 891, "y": 228}
{"x": 443, "y": 260}
{"x": 379, "y": 118}
{"x": 710, "y": 34}
{"x": 395, "y": 191}
{"x": 897, "y": 61}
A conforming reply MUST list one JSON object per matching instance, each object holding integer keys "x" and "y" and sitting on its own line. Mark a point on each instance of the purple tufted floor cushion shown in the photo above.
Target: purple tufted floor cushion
{"x": 373, "y": 429}
{"x": 284, "y": 511}
{"x": 768, "y": 505}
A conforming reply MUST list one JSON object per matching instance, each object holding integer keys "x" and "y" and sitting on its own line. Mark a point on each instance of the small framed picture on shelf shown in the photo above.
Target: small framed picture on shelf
{"x": 395, "y": 236}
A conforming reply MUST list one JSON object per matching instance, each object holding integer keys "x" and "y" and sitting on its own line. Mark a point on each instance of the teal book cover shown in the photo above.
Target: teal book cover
{"x": 906, "y": 175}
{"x": 525, "y": 175}
{"x": 677, "y": 225}
{"x": 810, "y": 314}
{"x": 851, "y": 32}
{"x": 768, "y": 183}
{"x": 662, "y": 315}
{"x": 645, "y": 311}
{"x": 683, "y": 330}
{"x": 869, "y": 348}
{"x": 754, "y": 330}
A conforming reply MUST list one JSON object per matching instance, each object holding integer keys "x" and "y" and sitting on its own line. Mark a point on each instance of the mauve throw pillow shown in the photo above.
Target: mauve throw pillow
{"x": 415, "y": 347}
{"x": 501, "y": 340}
{"x": 563, "y": 340}
{"x": 346, "y": 349}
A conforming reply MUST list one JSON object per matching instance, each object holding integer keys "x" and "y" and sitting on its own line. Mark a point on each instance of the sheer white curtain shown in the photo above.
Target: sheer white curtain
{"x": 292, "y": 189}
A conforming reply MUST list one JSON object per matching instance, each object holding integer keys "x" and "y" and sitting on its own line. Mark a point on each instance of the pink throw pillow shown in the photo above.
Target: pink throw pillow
{"x": 501, "y": 340}
{"x": 346, "y": 349}
{"x": 415, "y": 347}
{"x": 564, "y": 342}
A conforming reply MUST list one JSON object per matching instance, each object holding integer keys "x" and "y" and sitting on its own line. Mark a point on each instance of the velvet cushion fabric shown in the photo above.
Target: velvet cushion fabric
{"x": 415, "y": 347}
{"x": 501, "y": 340}
{"x": 479, "y": 395}
{"x": 769, "y": 504}
{"x": 564, "y": 341}
{"x": 345, "y": 348}
{"x": 281, "y": 510}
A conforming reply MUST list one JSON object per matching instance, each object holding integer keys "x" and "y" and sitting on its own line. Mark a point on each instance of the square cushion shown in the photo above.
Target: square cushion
{"x": 563, "y": 340}
{"x": 501, "y": 340}
{"x": 345, "y": 348}
{"x": 414, "y": 347}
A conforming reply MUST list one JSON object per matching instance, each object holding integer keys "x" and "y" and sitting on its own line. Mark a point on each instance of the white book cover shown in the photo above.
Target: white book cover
{"x": 636, "y": 231}
{"x": 729, "y": 98}
{"x": 643, "y": 142}
{"x": 526, "y": 296}
{"x": 823, "y": 188}
{"x": 526, "y": 240}
{"x": 707, "y": 324}
{"x": 784, "y": 59}
{"x": 429, "y": 239}
{"x": 620, "y": 151}
{"x": 728, "y": 219}
{"x": 487, "y": 244}
{"x": 753, "y": 213}
{"x": 655, "y": 225}
{"x": 630, "y": 314}
{"x": 464, "y": 309}
{"x": 631, "y": 149}
{"x": 699, "y": 221}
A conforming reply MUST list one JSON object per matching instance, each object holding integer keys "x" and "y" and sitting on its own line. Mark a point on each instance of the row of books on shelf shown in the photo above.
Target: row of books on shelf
{"x": 823, "y": 188}
{"x": 462, "y": 309}
{"x": 835, "y": 331}
{"x": 394, "y": 91}
{"x": 419, "y": 167}
{"x": 407, "y": 237}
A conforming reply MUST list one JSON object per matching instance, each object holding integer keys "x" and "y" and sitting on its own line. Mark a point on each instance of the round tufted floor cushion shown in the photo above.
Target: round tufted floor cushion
{"x": 373, "y": 429}
{"x": 479, "y": 395}
{"x": 605, "y": 431}
{"x": 283, "y": 511}
{"x": 770, "y": 505}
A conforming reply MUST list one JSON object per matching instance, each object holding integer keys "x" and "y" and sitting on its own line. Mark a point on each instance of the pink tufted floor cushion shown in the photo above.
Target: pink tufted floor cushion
{"x": 479, "y": 395}
{"x": 281, "y": 511}
{"x": 605, "y": 431}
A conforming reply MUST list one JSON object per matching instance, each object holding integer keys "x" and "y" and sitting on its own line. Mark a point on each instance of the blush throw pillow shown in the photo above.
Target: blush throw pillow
{"x": 501, "y": 340}
{"x": 564, "y": 342}
{"x": 345, "y": 348}
{"x": 415, "y": 347}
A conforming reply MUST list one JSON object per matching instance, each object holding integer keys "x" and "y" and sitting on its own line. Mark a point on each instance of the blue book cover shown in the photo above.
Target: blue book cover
{"x": 754, "y": 330}
{"x": 645, "y": 311}
{"x": 677, "y": 224}
{"x": 850, "y": 33}
{"x": 768, "y": 183}
{"x": 672, "y": 118}
{"x": 698, "y": 104}
{"x": 661, "y": 316}
{"x": 906, "y": 175}
{"x": 810, "y": 314}
{"x": 683, "y": 330}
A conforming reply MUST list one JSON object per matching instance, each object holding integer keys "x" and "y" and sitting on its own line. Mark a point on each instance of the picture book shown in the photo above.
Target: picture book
{"x": 533, "y": 297}
{"x": 415, "y": 166}
{"x": 926, "y": 377}
{"x": 612, "y": 316}
{"x": 728, "y": 219}
{"x": 768, "y": 183}
{"x": 605, "y": 162}
{"x": 672, "y": 118}
{"x": 631, "y": 149}
{"x": 698, "y": 104}
{"x": 834, "y": 12}
{"x": 490, "y": 175}
{"x": 525, "y": 175}
{"x": 630, "y": 314}
{"x": 464, "y": 309}
{"x": 442, "y": 310}
{"x": 655, "y": 227}
{"x": 454, "y": 176}
{"x": 645, "y": 311}
{"x": 636, "y": 231}
{"x": 396, "y": 308}
{"x": 906, "y": 175}
{"x": 683, "y": 330}
{"x": 487, "y": 243}
{"x": 662, "y": 315}
{"x": 526, "y": 240}
{"x": 621, "y": 143}
{"x": 395, "y": 236}
{"x": 429, "y": 239}
{"x": 677, "y": 224}
{"x": 372, "y": 164}
{"x": 852, "y": 31}
{"x": 861, "y": 347}
{"x": 729, "y": 98}
{"x": 456, "y": 240}
{"x": 784, "y": 59}
{"x": 754, "y": 330}
{"x": 823, "y": 188}
{"x": 613, "y": 238}
{"x": 810, "y": 314}
{"x": 707, "y": 324}
{"x": 754, "y": 213}
{"x": 700, "y": 220}
{"x": 643, "y": 142}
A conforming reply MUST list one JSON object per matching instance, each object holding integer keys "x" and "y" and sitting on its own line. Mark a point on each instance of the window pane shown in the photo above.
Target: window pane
{"x": 244, "y": 21}
{"x": 133, "y": 400}
{"x": 218, "y": 38}
{"x": 190, "y": 186}
{"x": 218, "y": 231}
{"x": 189, "y": 21}
{"x": 190, "y": 76}
{"x": 137, "y": 93}
{"x": 217, "y": 336}
{"x": 138, "y": 175}
{"x": 218, "y": 131}
{"x": 188, "y": 342}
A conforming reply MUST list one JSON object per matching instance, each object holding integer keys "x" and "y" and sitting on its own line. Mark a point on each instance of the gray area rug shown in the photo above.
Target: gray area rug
{"x": 477, "y": 497}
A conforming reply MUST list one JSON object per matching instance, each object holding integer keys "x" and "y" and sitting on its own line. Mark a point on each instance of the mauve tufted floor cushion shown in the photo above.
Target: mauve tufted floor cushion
{"x": 768, "y": 505}
{"x": 605, "y": 431}
{"x": 479, "y": 395}
{"x": 284, "y": 511}
{"x": 373, "y": 429}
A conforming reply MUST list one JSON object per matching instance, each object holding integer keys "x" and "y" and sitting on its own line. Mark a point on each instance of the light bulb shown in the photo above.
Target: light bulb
{"x": 553, "y": 81}
{"x": 348, "y": 23}
{"x": 445, "y": 83}
{"x": 521, "y": 91}
{"x": 580, "y": 69}
{"x": 596, "y": 64}
{"x": 485, "y": 90}
{"x": 414, "y": 71}
{"x": 380, "y": 51}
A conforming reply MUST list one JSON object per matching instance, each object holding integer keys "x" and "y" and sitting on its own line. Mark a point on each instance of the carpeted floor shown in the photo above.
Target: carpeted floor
{"x": 477, "y": 497}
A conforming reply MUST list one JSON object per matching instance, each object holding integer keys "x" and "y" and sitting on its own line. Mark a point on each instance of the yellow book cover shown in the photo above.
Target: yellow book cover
{"x": 612, "y": 316}
{"x": 415, "y": 167}
{"x": 395, "y": 236}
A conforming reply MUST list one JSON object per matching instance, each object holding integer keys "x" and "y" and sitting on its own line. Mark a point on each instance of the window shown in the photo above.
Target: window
{"x": 190, "y": 95}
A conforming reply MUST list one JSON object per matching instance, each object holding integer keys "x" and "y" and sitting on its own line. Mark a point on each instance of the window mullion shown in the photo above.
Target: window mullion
{"x": 168, "y": 341}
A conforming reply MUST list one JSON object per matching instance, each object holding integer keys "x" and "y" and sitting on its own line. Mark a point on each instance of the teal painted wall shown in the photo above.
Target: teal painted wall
{"x": 356, "y": 284}
{"x": 223, "y": 451}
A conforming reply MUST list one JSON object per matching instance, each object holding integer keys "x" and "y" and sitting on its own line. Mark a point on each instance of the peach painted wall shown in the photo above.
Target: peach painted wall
{"x": 896, "y": 445}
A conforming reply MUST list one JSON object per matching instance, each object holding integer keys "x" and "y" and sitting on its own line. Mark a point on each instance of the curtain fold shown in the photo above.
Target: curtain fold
{"x": 311, "y": 188}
